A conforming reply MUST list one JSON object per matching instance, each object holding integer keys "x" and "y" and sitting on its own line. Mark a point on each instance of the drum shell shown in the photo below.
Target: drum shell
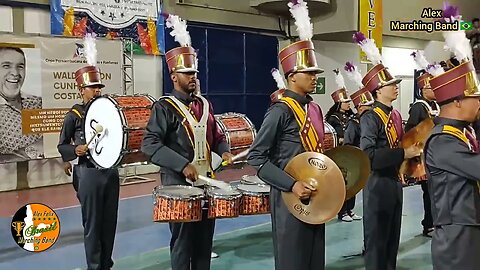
{"x": 239, "y": 131}
{"x": 330, "y": 139}
{"x": 168, "y": 208}
{"x": 223, "y": 206}
{"x": 255, "y": 203}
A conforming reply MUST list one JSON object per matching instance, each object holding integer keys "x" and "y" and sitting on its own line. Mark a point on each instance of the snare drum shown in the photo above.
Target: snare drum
{"x": 255, "y": 199}
{"x": 123, "y": 119}
{"x": 177, "y": 204}
{"x": 330, "y": 140}
{"x": 238, "y": 129}
{"x": 223, "y": 203}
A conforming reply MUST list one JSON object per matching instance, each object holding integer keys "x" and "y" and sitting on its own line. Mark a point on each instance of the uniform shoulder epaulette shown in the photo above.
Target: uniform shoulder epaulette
{"x": 447, "y": 129}
{"x": 77, "y": 110}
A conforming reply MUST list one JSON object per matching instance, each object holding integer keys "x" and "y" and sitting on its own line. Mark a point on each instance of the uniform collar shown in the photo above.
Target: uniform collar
{"x": 432, "y": 103}
{"x": 184, "y": 98}
{"x": 300, "y": 99}
{"x": 382, "y": 106}
{"x": 451, "y": 122}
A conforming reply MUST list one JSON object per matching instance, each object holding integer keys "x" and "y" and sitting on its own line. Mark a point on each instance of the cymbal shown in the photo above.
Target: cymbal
{"x": 322, "y": 173}
{"x": 354, "y": 165}
{"x": 419, "y": 134}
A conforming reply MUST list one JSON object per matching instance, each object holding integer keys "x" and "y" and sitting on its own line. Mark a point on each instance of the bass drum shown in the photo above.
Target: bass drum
{"x": 124, "y": 119}
{"x": 239, "y": 131}
{"x": 330, "y": 140}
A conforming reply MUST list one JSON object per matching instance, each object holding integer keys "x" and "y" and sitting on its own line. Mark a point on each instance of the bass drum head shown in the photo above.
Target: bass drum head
{"x": 105, "y": 150}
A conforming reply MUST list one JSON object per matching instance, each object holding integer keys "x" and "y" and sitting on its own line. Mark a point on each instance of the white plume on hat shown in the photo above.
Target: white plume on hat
{"x": 179, "y": 31}
{"x": 90, "y": 48}
{"x": 456, "y": 41}
{"x": 422, "y": 63}
{"x": 299, "y": 11}
{"x": 278, "y": 78}
{"x": 369, "y": 47}
{"x": 339, "y": 79}
{"x": 353, "y": 74}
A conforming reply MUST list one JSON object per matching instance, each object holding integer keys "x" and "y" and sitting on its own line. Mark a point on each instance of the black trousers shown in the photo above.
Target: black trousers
{"x": 191, "y": 244}
{"x": 456, "y": 247}
{"x": 98, "y": 191}
{"x": 427, "y": 221}
{"x": 347, "y": 207}
{"x": 296, "y": 244}
{"x": 382, "y": 219}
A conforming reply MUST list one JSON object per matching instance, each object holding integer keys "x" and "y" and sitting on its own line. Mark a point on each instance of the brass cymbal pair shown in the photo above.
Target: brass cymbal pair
{"x": 418, "y": 135}
{"x": 337, "y": 175}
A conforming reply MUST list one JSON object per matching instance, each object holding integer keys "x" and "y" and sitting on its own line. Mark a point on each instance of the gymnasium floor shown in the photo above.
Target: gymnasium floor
{"x": 242, "y": 243}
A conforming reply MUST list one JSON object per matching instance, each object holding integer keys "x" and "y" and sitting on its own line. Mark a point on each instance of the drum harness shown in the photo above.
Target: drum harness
{"x": 200, "y": 159}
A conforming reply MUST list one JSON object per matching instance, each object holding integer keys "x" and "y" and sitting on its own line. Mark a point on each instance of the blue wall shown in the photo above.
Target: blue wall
{"x": 234, "y": 68}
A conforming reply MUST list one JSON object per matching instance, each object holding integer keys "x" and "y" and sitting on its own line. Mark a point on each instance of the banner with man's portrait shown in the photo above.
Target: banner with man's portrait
{"x": 38, "y": 88}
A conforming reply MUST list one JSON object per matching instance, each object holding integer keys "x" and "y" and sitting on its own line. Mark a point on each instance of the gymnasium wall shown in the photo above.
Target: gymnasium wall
{"x": 149, "y": 74}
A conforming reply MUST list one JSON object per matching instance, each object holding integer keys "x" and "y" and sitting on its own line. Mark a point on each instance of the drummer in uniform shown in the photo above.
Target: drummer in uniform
{"x": 423, "y": 108}
{"x": 297, "y": 245}
{"x": 97, "y": 189}
{"x": 381, "y": 132}
{"x": 179, "y": 136}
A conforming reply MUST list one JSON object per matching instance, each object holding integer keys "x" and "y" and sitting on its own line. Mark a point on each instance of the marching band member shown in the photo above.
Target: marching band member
{"x": 297, "y": 245}
{"x": 178, "y": 138}
{"x": 452, "y": 161}
{"x": 362, "y": 101}
{"x": 97, "y": 189}
{"x": 423, "y": 108}
{"x": 338, "y": 116}
{"x": 198, "y": 92}
{"x": 381, "y": 132}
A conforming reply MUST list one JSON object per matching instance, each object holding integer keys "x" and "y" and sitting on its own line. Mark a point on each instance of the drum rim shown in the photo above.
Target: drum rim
{"x": 254, "y": 193}
{"x": 211, "y": 194}
{"x": 156, "y": 190}
{"x": 252, "y": 183}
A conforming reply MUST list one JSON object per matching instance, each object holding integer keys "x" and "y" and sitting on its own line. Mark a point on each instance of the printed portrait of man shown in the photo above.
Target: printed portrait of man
{"x": 14, "y": 145}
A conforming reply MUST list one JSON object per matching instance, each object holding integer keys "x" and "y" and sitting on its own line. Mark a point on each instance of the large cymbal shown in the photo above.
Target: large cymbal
{"x": 417, "y": 135}
{"x": 354, "y": 165}
{"x": 323, "y": 174}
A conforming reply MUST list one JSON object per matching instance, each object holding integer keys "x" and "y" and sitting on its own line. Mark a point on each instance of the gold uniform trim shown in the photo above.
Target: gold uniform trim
{"x": 308, "y": 135}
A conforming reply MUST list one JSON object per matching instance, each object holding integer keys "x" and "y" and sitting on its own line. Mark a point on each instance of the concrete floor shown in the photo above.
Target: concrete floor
{"x": 242, "y": 243}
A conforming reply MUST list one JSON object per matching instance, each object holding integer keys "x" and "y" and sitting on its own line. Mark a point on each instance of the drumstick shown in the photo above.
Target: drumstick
{"x": 98, "y": 129}
{"x": 237, "y": 156}
{"x": 215, "y": 183}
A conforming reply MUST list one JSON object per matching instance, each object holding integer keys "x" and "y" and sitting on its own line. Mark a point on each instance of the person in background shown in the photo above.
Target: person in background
{"x": 423, "y": 108}
{"x": 338, "y": 116}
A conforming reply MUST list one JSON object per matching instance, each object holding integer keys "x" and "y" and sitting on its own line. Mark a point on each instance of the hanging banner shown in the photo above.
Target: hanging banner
{"x": 39, "y": 88}
{"x": 135, "y": 19}
{"x": 371, "y": 23}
